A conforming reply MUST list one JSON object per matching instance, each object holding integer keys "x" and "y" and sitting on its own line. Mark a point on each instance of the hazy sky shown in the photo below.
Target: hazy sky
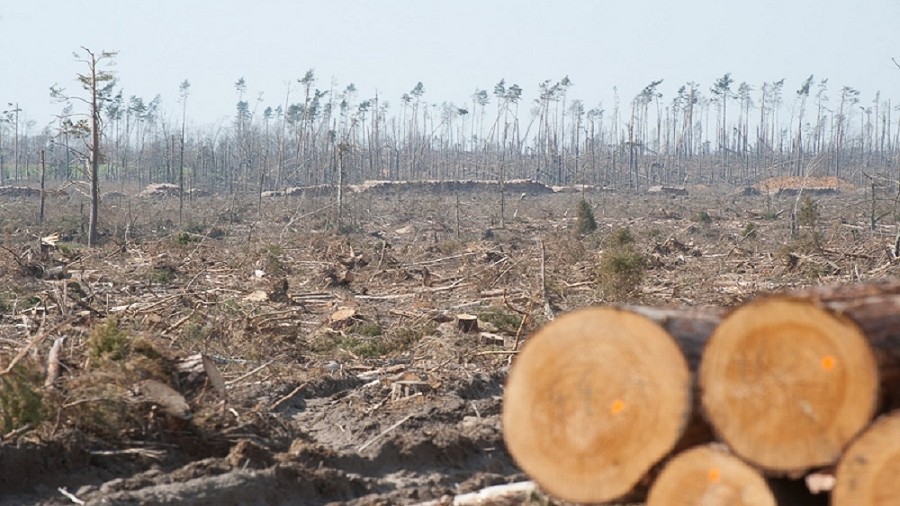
{"x": 452, "y": 46}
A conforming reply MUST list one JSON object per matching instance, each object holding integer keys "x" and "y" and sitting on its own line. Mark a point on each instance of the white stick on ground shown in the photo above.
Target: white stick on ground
{"x": 488, "y": 495}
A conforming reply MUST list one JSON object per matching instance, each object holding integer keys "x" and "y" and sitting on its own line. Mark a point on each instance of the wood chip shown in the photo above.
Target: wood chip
{"x": 342, "y": 314}
{"x": 257, "y": 296}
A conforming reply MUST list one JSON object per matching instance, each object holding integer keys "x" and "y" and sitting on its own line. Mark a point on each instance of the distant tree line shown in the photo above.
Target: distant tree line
{"x": 319, "y": 134}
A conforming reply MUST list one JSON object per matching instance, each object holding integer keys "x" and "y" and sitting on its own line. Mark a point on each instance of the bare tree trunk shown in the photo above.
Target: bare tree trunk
{"x": 342, "y": 147}
{"x": 2, "y": 165}
{"x": 43, "y": 193}
{"x": 95, "y": 156}
{"x": 184, "y": 93}
{"x": 502, "y": 194}
{"x": 16, "y": 143}
{"x": 457, "y": 214}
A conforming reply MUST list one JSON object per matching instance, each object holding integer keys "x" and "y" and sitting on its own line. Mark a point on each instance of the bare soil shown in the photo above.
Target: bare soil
{"x": 346, "y": 377}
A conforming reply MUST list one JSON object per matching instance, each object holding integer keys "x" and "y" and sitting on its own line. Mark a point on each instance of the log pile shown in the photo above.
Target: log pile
{"x": 19, "y": 191}
{"x": 430, "y": 187}
{"x": 724, "y": 407}
{"x": 165, "y": 190}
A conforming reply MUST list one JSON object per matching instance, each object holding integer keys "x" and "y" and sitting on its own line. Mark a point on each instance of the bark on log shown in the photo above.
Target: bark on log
{"x": 788, "y": 381}
{"x": 593, "y": 401}
{"x": 709, "y": 474}
{"x": 868, "y": 471}
{"x": 691, "y": 328}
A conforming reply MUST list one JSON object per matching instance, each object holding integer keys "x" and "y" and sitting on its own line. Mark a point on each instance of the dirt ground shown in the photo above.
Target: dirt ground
{"x": 335, "y": 370}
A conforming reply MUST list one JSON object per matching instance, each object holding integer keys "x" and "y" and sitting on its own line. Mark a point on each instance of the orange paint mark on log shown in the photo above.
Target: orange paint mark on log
{"x": 715, "y": 475}
{"x": 617, "y": 406}
{"x": 828, "y": 362}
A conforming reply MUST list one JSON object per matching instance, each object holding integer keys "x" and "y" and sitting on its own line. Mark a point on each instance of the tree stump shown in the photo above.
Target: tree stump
{"x": 593, "y": 401}
{"x": 869, "y": 470}
{"x": 787, "y": 383}
{"x": 709, "y": 474}
{"x": 467, "y": 323}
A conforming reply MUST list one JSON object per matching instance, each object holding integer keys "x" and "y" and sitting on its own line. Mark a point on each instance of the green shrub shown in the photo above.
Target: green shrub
{"x": 369, "y": 340}
{"x": 366, "y": 329}
{"x": 20, "y": 401}
{"x": 621, "y": 269}
{"x": 271, "y": 260}
{"x": 183, "y": 238}
{"x": 703, "y": 217}
{"x": 363, "y": 347}
{"x": 196, "y": 228}
{"x": 619, "y": 238}
{"x": 749, "y": 231}
{"x": 68, "y": 249}
{"x": 194, "y": 332}
{"x": 107, "y": 341}
{"x": 584, "y": 218}
{"x": 401, "y": 338}
{"x": 808, "y": 213}
{"x": 505, "y": 322}
{"x": 161, "y": 275}
{"x": 808, "y": 239}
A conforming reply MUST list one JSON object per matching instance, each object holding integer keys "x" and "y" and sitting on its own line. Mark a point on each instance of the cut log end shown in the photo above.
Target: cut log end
{"x": 709, "y": 475}
{"x": 787, "y": 384}
{"x": 868, "y": 471}
{"x": 593, "y": 401}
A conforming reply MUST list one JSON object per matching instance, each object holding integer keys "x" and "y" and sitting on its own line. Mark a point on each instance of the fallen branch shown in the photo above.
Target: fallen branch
{"x": 16, "y": 433}
{"x": 497, "y": 352}
{"x": 287, "y": 397}
{"x": 444, "y": 259}
{"x": 142, "y": 452}
{"x": 178, "y": 323}
{"x": 251, "y": 373}
{"x": 548, "y": 311}
{"x": 69, "y": 495}
{"x": 386, "y": 297}
{"x": 489, "y": 495}
{"x": 383, "y": 433}
{"x": 295, "y": 217}
{"x": 508, "y": 268}
{"x": 36, "y": 340}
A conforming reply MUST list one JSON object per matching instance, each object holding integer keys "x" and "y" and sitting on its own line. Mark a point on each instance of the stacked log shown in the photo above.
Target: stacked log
{"x": 788, "y": 383}
{"x": 709, "y": 474}
{"x": 869, "y": 470}
{"x": 594, "y": 400}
